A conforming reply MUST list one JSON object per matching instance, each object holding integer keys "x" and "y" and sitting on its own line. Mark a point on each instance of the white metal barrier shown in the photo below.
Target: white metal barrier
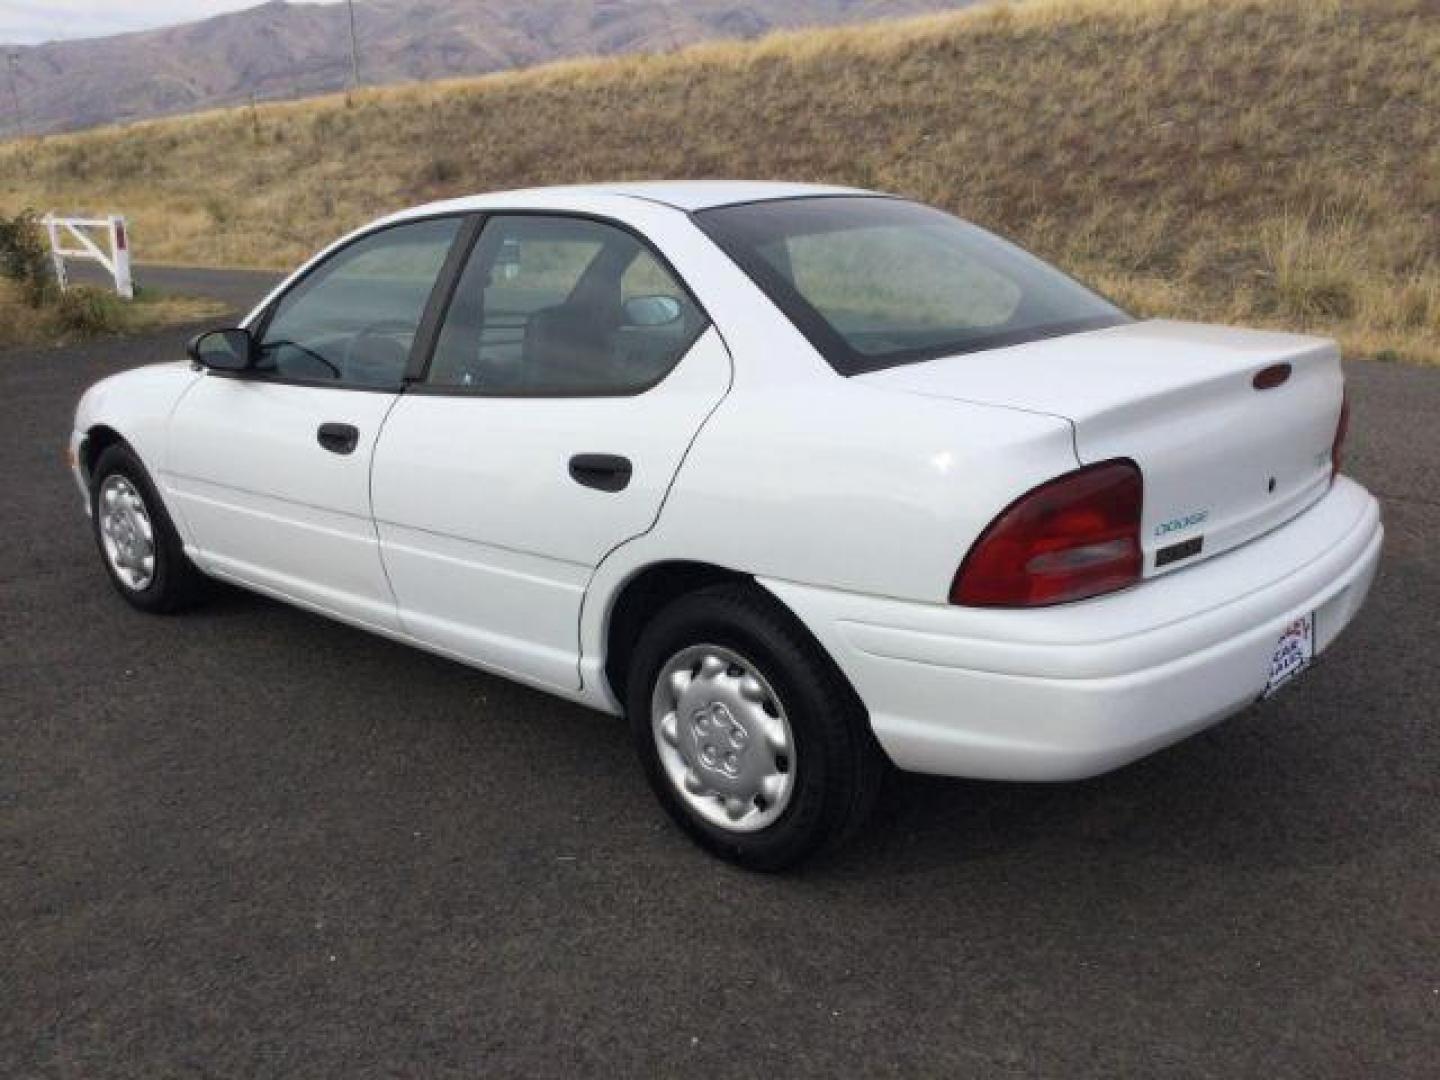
{"x": 75, "y": 232}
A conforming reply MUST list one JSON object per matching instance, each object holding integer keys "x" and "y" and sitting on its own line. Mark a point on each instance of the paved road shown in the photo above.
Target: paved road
{"x": 249, "y": 842}
{"x": 242, "y": 289}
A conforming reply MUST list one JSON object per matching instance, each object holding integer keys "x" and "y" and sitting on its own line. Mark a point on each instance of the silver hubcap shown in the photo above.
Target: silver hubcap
{"x": 723, "y": 738}
{"x": 126, "y": 533}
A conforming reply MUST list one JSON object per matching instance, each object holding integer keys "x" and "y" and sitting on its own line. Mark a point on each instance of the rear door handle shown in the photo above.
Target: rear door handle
{"x": 338, "y": 438}
{"x": 604, "y": 472}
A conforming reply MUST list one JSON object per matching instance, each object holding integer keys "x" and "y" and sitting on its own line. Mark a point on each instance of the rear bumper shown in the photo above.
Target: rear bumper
{"x": 1076, "y": 690}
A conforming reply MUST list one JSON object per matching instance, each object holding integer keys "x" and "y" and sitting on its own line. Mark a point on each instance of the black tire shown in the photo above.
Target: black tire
{"x": 175, "y": 583}
{"x": 838, "y": 765}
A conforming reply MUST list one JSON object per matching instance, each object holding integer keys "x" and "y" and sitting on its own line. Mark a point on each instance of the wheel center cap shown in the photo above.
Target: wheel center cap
{"x": 720, "y": 739}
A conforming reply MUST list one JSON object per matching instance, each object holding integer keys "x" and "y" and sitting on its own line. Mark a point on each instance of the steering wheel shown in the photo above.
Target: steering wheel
{"x": 382, "y": 330}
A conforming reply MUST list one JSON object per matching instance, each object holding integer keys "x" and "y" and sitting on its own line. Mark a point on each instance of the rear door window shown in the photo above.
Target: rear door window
{"x": 551, "y": 305}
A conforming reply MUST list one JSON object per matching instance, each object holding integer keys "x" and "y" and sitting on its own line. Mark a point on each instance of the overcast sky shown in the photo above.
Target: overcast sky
{"x": 29, "y": 22}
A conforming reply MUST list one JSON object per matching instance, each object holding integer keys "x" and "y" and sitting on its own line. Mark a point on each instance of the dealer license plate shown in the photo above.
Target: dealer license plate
{"x": 1293, "y": 653}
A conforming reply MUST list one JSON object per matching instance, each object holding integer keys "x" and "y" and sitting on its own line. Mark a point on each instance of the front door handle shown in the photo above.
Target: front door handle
{"x": 604, "y": 472}
{"x": 338, "y": 438}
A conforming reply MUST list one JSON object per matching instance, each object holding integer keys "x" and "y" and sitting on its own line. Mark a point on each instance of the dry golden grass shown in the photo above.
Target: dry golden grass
{"x": 87, "y": 312}
{"x": 1273, "y": 163}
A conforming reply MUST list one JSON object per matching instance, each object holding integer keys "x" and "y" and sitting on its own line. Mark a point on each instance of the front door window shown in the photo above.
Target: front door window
{"x": 352, "y": 320}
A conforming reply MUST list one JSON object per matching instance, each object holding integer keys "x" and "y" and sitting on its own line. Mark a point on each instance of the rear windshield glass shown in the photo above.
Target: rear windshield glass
{"x": 874, "y": 282}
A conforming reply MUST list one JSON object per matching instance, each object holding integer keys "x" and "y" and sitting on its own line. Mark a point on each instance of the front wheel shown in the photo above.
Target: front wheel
{"x": 141, "y": 551}
{"x": 750, "y": 736}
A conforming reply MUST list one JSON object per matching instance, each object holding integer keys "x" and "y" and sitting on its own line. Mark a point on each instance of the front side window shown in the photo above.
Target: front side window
{"x": 874, "y": 282}
{"x": 562, "y": 306}
{"x": 351, "y": 321}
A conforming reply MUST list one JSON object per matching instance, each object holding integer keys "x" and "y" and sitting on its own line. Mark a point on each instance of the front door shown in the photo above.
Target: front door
{"x": 270, "y": 468}
{"x": 570, "y": 375}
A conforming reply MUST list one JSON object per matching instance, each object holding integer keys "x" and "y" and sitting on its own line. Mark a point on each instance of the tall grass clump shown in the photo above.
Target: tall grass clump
{"x": 83, "y": 311}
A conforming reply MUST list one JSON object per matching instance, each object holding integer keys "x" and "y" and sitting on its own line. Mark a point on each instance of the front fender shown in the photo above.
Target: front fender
{"x": 136, "y": 405}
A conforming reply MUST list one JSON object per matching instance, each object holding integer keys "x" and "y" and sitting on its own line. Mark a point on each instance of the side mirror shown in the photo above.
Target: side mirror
{"x": 651, "y": 311}
{"x": 222, "y": 350}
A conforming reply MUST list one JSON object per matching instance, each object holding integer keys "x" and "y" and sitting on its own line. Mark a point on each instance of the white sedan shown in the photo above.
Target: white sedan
{"x": 802, "y": 480}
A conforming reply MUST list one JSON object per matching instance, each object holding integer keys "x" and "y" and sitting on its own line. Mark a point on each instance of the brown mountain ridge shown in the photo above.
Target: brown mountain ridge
{"x": 285, "y": 50}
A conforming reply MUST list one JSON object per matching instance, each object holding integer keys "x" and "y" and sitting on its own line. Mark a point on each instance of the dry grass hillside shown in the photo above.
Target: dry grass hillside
{"x": 1273, "y": 163}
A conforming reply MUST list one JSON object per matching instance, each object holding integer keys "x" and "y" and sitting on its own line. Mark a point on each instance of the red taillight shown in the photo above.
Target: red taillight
{"x": 1337, "y": 448}
{"x": 1073, "y": 537}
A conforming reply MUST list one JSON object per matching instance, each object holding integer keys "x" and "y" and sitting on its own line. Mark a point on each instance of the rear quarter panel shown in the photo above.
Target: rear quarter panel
{"x": 832, "y": 483}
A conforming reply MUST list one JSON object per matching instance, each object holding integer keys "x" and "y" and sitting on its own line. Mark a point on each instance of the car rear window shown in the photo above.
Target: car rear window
{"x": 874, "y": 282}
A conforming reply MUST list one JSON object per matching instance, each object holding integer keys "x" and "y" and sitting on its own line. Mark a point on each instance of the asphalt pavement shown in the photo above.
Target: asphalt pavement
{"x": 249, "y": 842}
{"x": 241, "y": 289}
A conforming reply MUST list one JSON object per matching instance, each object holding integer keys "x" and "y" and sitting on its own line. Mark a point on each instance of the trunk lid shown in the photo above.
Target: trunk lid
{"x": 1223, "y": 461}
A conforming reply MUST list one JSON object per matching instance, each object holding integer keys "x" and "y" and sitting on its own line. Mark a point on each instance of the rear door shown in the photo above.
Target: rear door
{"x": 270, "y": 468}
{"x": 570, "y": 374}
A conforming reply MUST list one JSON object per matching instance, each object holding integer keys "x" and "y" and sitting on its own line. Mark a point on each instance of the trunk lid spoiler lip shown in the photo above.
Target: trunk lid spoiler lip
{"x": 1030, "y": 377}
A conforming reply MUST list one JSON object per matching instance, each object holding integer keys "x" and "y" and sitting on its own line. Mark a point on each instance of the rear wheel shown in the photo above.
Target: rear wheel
{"x": 751, "y": 737}
{"x": 139, "y": 547}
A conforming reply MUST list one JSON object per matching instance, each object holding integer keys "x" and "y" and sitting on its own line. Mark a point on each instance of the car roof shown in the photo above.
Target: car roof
{"x": 605, "y": 199}
{"x": 686, "y": 195}
{"x": 704, "y": 194}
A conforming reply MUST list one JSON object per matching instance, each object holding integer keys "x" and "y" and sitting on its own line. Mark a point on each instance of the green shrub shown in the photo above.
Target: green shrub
{"x": 25, "y": 258}
{"x": 219, "y": 209}
{"x": 440, "y": 170}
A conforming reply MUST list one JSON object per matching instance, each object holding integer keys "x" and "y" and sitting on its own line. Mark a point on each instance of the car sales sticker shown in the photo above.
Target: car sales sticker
{"x": 1293, "y": 653}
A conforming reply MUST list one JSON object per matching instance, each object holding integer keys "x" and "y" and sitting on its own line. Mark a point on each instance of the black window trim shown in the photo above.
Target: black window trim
{"x": 465, "y": 235}
{"x": 418, "y": 384}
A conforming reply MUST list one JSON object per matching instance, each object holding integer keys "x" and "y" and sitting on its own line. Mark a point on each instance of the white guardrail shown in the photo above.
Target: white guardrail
{"x": 70, "y": 239}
